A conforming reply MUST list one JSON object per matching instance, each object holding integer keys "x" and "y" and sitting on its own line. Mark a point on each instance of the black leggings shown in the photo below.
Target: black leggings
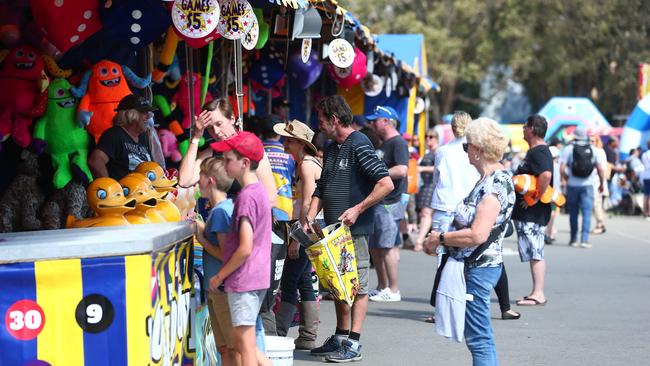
{"x": 501, "y": 289}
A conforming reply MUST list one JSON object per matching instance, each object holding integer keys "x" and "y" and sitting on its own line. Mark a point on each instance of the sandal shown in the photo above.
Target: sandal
{"x": 533, "y": 302}
{"x": 510, "y": 315}
{"x": 599, "y": 230}
{"x": 430, "y": 319}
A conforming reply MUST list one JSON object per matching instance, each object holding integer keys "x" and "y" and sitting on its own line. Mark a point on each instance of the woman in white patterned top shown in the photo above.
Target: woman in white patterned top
{"x": 487, "y": 206}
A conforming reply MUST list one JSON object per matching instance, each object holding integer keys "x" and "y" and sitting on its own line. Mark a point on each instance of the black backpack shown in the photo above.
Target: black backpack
{"x": 583, "y": 161}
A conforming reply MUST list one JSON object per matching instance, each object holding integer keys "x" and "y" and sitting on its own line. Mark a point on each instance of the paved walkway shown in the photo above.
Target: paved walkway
{"x": 598, "y": 311}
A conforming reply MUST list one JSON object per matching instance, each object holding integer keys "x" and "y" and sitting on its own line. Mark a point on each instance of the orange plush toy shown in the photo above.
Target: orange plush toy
{"x": 100, "y": 91}
{"x": 526, "y": 185}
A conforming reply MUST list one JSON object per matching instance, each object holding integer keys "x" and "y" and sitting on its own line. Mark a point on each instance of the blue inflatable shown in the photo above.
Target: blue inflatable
{"x": 637, "y": 128}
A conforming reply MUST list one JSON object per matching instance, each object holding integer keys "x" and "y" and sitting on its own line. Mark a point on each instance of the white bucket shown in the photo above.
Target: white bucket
{"x": 279, "y": 350}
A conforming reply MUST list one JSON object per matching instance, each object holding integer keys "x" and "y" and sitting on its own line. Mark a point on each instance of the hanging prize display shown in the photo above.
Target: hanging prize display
{"x": 195, "y": 20}
{"x": 341, "y": 53}
{"x": 305, "y": 50}
{"x": 389, "y": 86}
{"x": 249, "y": 41}
{"x": 372, "y": 85}
{"x": 237, "y": 19}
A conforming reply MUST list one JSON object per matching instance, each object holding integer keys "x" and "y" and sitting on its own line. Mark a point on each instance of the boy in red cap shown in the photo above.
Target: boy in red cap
{"x": 246, "y": 273}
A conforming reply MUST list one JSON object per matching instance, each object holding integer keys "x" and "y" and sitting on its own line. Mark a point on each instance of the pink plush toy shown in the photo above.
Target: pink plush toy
{"x": 182, "y": 98}
{"x": 169, "y": 145}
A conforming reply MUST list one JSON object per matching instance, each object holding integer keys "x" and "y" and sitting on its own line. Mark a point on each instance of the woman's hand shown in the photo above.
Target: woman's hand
{"x": 431, "y": 242}
{"x": 292, "y": 249}
{"x": 201, "y": 121}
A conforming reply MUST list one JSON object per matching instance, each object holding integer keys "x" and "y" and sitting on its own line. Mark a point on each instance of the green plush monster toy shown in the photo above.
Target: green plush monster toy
{"x": 63, "y": 137}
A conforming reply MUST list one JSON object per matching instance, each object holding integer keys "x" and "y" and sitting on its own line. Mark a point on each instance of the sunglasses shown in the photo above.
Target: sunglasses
{"x": 465, "y": 145}
{"x": 432, "y": 137}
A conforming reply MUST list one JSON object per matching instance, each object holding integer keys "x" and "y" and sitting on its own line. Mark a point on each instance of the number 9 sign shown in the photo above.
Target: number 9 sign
{"x": 94, "y": 313}
{"x": 24, "y": 320}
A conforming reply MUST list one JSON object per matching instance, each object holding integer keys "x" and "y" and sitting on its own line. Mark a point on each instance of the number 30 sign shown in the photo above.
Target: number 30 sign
{"x": 195, "y": 19}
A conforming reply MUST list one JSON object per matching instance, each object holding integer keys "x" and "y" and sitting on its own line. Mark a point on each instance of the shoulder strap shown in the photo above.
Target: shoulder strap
{"x": 494, "y": 234}
{"x": 314, "y": 160}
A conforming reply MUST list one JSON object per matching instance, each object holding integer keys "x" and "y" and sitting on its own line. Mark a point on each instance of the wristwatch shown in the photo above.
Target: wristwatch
{"x": 441, "y": 238}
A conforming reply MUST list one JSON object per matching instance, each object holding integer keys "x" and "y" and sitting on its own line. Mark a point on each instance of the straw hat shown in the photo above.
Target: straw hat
{"x": 297, "y": 130}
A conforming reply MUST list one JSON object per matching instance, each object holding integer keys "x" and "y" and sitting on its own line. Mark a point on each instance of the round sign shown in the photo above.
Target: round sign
{"x": 195, "y": 19}
{"x": 94, "y": 313}
{"x": 237, "y": 19}
{"x": 305, "y": 50}
{"x": 341, "y": 53}
{"x": 249, "y": 41}
{"x": 372, "y": 85}
{"x": 24, "y": 320}
{"x": 389, "y": 86}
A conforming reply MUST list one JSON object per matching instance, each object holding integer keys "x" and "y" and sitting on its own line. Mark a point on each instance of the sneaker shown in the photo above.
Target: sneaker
{"x": 350, "y": 351}
{"x": 332, "y": 345}
{"x": 573, "y": 243}
{"x": 375, "y": 292}
{"x": 387, "y": 296}
{"x": 585, "y": 245}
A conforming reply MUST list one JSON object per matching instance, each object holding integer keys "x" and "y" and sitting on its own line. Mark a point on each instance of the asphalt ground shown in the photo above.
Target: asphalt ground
{"x": 598, "y": 310}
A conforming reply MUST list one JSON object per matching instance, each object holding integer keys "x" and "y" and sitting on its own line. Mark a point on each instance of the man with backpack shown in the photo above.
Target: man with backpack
{"x": 578, "y": 163}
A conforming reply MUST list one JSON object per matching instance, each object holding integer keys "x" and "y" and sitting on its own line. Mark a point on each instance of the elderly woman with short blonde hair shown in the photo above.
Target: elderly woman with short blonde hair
{"x": 480, "y": 221}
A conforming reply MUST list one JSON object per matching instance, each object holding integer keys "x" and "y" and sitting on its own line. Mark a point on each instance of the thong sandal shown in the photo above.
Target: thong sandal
{"x": 535, "y": 302}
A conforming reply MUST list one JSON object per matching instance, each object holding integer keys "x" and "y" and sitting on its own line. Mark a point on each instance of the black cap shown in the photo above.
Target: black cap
{"x": 133, "y": 101}
{"x": 268, "y": 122}
{"x": 280, "y": 102}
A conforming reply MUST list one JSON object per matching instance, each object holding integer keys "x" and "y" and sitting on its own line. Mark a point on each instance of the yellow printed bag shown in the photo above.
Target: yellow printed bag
{"x": 335, "y": 262}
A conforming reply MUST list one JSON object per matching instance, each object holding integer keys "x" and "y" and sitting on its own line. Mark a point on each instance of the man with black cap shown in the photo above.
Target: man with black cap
{"x": 280, "y": 108}
{"x": 125, "y": 145}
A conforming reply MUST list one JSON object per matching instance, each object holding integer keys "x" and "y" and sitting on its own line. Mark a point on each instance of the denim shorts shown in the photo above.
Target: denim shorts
{"x": 244, "y": 307}
{"x": 386, "y": 233}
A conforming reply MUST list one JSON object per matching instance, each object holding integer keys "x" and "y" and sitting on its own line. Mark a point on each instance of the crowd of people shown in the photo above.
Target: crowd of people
{"x": 279, "y": 174}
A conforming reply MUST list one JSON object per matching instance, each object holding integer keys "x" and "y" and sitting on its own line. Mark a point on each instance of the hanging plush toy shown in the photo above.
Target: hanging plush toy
{"x": 106, "y": 199}
{"x": 138, "y": 23}
{"x": 182, "y": 98}
{"x": 169, "y": 145}
{"x": 65, "y": 140}
{"x": 100, "y": 91}
{"x": 66, "y": 23}
{"x": 22, "y": 99}
{"x": 21, "y": 200}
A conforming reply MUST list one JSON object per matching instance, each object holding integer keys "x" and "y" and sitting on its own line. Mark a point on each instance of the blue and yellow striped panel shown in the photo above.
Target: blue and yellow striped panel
{"x": 66, "y": 291}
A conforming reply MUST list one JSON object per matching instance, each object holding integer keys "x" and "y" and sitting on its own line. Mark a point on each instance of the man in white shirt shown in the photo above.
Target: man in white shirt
{"x": 577, "y": 164}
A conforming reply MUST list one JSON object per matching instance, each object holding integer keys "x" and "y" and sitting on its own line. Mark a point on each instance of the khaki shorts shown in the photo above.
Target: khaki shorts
{"x": 220, "y": 319}
{"x": 363, "y": 261}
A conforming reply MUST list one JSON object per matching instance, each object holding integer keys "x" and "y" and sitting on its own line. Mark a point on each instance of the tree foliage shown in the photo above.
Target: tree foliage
{"x": 555, "y": 47}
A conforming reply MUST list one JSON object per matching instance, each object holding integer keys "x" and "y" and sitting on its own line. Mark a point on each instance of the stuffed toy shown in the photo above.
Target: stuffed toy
{"x": 106, "y": 198}
{"x": 20, "y": 201}
{"x": 65, "y": 141}
{"x": 12, "y": 19}
{"x": 181, "y": 99}
{"x": 66, "y": 23}
{"x": 101, "y": 90}
{"x": 66, "y": 204}
{"x": 169, "y": 145}
{"x": 136, "y": 23}
{"x": 163, "y": 183}
{"x": 22, "y": 78}
{"x": 526, "y": 185}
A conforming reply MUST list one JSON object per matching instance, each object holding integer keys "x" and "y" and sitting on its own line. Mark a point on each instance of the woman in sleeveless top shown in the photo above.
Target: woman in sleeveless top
{"x": 296, "y": 276}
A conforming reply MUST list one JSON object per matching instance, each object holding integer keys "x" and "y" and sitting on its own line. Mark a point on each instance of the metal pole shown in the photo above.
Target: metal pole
{"x": 238, "y": 84}
{"x": 189, "y": 63}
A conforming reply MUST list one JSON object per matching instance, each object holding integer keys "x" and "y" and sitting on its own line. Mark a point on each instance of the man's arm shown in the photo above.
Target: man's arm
{"x": 382, "y": 188}
{"x": 398, "y": 171}
{"x": 601, "y": 175}
{"x": 97, "y": 163}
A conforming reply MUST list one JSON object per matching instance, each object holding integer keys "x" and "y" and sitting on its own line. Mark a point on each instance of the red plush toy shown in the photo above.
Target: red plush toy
{"x": 22, "y": 77}
{"x": 100, "y": 91}
{"x": 182, "y": 98}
